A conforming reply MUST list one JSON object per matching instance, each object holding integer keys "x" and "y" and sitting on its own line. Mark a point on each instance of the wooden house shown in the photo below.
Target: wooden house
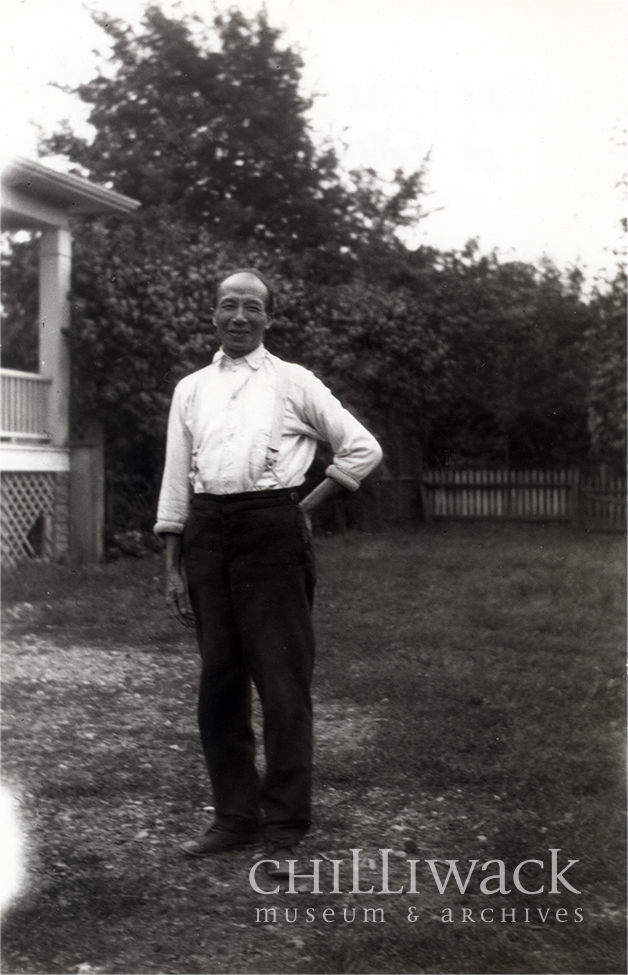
{"x": 52, "y": 483}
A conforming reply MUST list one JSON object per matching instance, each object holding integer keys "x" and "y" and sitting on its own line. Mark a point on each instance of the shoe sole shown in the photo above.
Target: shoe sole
{"x": 281, "y": 873}
{"x": 253, "y": 841}
{"x": 278, "y": 875}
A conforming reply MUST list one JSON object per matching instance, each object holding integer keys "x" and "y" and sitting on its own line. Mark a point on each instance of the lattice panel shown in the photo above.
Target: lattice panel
{"x": 27, "y": 510}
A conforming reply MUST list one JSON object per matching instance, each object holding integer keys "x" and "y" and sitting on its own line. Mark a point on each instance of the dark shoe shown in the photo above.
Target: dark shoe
{"x": 218, "y": 841}
{"x": 280, "y": 855}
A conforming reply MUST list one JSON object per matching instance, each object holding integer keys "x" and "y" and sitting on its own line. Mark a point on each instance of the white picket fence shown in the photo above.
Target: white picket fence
{"x": 602, "y": 502}
{"x": 529, "y": 495}
{"x": 595, "y": 500}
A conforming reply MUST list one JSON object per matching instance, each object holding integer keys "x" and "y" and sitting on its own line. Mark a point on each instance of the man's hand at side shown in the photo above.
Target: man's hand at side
{"x": 177, "y": 595}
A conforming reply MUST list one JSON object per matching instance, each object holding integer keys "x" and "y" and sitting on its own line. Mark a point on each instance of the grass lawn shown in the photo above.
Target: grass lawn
{"x": 470, "y": 706}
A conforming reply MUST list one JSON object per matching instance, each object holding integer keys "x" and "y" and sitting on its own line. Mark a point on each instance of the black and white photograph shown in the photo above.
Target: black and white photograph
{"x": 313, "y": 466}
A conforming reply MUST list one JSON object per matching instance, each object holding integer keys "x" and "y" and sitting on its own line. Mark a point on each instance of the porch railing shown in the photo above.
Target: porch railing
{"x": 24, "y": 406}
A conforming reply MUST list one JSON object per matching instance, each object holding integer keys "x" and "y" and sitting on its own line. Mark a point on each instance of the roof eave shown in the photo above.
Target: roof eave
{"x": 72, "y": 193}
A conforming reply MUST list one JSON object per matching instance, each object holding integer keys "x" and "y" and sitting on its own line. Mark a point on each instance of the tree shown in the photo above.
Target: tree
{"x": 216, "y": 136}
{"x": 470, "y": 357}
{"x": 606, "y": 350}
{"x": 142, "y": 298}
{"x": 142, "y": 301}
{"x": 512, "y": 385}
{"x": 210, "y": 127}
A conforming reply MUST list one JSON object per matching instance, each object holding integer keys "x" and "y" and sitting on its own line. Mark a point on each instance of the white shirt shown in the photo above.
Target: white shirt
{"x": 220, "y": 425}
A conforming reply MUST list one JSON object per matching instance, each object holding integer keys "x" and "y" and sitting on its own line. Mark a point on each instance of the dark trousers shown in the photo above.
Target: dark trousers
{"x": 250, "y": 570}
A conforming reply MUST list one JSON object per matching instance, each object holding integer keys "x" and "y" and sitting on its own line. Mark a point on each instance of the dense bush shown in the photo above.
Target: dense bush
{"x": 459, "y": 357}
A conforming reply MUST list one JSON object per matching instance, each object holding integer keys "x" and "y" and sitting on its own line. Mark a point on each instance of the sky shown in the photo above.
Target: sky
{"x": 521, "y": 104}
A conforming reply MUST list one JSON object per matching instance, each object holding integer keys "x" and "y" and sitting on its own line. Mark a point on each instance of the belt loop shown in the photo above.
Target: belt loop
{"x": 294, "y": 496}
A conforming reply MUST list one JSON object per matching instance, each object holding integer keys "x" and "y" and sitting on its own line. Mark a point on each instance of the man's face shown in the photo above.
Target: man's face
{"x": 240, "y": 317}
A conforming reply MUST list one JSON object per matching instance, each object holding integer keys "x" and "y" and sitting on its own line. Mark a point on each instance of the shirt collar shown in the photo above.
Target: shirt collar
{"x": 254, "y": 358}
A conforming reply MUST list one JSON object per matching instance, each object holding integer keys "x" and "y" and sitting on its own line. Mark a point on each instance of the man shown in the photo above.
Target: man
{"x": 239, "y": 563}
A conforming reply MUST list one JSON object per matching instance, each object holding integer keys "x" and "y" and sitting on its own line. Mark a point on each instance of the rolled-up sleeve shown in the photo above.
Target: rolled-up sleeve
{"x": 174, "y": 497}
{"x": 356, "y": 451}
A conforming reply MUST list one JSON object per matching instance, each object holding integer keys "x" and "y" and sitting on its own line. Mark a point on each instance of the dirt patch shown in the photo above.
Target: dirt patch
{"x": 103, "y": 809}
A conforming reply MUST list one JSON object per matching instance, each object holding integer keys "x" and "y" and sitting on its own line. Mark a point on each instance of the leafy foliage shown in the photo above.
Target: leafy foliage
{"x": 142, "y": 302}
{"x": 514, "y": 385}
{"x": 477, "y": 361}
{"x": 606, "y": 397}
{"x": 472, "y": 359}
{"x": 212, "y": 129}
{"x": 141, "y": 319}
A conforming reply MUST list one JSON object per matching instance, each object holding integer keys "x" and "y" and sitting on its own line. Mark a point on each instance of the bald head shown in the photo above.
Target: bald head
{"x": 241, "y": 313}
{"x": 252, "y": 272}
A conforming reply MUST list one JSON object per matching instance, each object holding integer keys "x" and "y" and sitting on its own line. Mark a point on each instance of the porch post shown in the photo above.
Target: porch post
{"x": 55, "y": 260}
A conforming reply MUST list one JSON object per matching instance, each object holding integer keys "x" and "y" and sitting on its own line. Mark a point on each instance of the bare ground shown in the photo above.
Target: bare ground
{"x": 101, "y": 753}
